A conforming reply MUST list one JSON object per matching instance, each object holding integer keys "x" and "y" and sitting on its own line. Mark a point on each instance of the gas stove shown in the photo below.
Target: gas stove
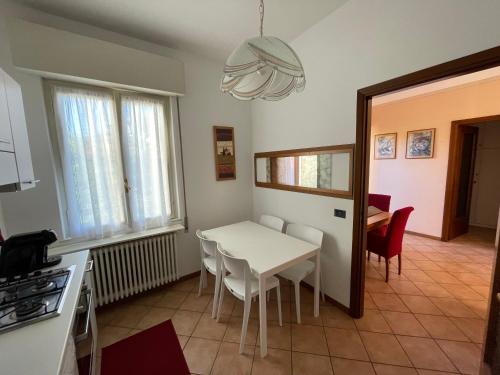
{"x": 30, "y": 298}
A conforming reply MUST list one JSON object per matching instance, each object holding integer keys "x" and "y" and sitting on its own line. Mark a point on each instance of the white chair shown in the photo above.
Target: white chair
{"x": 243, "y": 285}
{"x": 210, "y": 262}
{"x": 299, "y": 272}
{"x": 272, "y": 222}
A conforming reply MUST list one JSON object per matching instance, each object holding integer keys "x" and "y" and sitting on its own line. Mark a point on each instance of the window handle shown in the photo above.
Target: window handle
{"x": 126, "y": 185}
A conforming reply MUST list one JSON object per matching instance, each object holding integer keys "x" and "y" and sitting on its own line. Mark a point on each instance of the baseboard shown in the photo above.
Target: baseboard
{"x": 423, "y": 235}
{"x": 334, "y": 302}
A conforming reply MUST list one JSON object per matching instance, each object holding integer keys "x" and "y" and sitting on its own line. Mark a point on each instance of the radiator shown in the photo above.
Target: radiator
{"x": 128, "y": 268}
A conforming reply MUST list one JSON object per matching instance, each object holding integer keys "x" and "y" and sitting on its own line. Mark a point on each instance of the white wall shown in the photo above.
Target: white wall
{"x": 421, "y": 183}
{"x": 362, "y": 43}
{"x": 485, "y": 200}
{"x": 210, "y": 203}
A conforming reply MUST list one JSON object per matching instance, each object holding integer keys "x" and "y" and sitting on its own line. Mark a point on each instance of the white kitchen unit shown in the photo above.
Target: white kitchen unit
{"x": 15, "y": 155}
{"x": 49, "y": 347}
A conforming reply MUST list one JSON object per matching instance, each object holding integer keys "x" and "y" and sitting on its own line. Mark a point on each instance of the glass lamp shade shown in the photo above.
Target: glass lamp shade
{"x": 263, "y": 67}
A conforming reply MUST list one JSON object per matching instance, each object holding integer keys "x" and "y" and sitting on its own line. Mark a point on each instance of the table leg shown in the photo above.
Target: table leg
{"x": 316, "y": 285}
{"x": 262, "y": 316}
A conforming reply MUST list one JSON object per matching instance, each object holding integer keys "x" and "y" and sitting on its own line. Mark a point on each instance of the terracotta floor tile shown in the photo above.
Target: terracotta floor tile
{"x": 185, "y": 321}
{"x": 334, "y": 317}
{"x": 148, "y": 299}
{"x": 425, "y": 353}
{"x": 309, "y": 339}
{"x": 345, "y": 343}
{"x": 404, "y": 324}
{"x": 277, "y": 362}
{"x": 417, "y": 275}
{"x": 432, "y": 372}
{"x": 278, "y": 337}
{"x": 182, "y": 340}
{"x": 389, "y": 302}
{"x": 350, "y": 367}
{"x": 209, "y": 328}
{"x": 427, "y": 265}
{"x": 474, "y": 329}
{"x": 188, "y": 285}
{"x": 369, "y": 304}
{"x": 432, "y": 289}
{"x": 480, "y": 307}
{"x": 233, "y": 332}
{"x": 373, "y": 321}
{"x": 441, "y": 327}
{"x": 470, "y": 279}
{"x": 405, "y": 287}
{"x": 227, "y": 305}
{"x": 129, "y": 316}
{"x": 453, "y": 307}
{"x": 200, "y": 355}
{"x": 306, "y": 314}
{"x": 378, "y": 344}
{"x": 393, "y": 370}
{"x": 442, "y": 277}
{"x": 172, "y": 299}
{"x": 462, "y": 291}
{"x": 481, "y": 290}
{"x": 466, "y": 356}
{"x": 154, "y": 316}
{"x": 230, "y": 362}
{"x": 377, "y": 286}
{"x": 304, "y": 363}
{"x": 195, "y": 303}
{"x": 110, "y": 334}
{"x": 420, "y": 305}
{"x": 450, "y": 266}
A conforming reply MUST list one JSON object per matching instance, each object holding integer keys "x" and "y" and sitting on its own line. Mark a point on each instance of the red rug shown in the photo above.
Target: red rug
{"x": 155, "y": 351}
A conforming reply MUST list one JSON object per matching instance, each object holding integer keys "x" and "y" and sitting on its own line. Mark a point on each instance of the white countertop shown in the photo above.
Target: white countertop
{"x": 38, "y": 348}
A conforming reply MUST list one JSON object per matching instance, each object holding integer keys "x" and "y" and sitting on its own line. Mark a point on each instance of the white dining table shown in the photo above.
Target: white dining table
{"x": 268, "y": 252}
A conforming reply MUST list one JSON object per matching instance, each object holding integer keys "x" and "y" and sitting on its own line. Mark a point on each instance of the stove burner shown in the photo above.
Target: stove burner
{"x": 26, "y": 309}
{"x": 43, "y": 285}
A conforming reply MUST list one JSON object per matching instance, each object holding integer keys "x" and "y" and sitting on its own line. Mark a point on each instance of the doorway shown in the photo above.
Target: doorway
{"x": 461, "y": 176}
{"x": 469, "y": 64}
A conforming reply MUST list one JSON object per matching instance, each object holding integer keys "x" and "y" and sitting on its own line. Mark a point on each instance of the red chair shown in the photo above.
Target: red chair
{"x": 381, "y": 201}
{"x": 389, "y": 243}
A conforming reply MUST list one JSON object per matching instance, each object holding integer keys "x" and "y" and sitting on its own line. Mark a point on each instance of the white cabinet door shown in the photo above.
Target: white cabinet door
{"x": 19, "y": 134}
{"x": 6, "y": 143}
{"x": 8, "y": 170}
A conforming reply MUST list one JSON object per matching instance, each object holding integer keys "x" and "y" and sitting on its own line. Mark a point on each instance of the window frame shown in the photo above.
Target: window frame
{"x": 174, "y": 182}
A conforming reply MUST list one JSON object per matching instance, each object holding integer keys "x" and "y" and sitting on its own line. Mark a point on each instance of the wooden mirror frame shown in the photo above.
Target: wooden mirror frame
{"x": 338, "y": 149}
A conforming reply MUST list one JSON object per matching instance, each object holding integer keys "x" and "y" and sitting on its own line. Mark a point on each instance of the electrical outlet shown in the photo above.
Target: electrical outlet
{"x": 339, "y": 213}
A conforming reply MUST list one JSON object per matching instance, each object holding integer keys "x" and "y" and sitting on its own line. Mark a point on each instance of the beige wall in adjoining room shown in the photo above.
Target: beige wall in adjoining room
{"x": 421, "y": 183}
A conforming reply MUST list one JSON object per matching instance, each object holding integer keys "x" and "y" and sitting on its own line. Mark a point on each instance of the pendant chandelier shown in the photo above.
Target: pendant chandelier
{"x": 263, "y": 67}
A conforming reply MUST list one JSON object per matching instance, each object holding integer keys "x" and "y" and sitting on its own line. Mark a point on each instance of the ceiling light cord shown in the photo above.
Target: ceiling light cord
{"x": 261, "y": 11}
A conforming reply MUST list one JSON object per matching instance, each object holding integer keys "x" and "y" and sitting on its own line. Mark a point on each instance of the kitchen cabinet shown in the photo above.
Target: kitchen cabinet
{"x": 15, "y": 155}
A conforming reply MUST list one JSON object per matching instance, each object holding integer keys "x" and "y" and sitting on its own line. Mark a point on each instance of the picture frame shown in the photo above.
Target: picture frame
{"x": 385, "y": 146}
{"x": 224, "y": 153}
{"x": 420, "y": 143}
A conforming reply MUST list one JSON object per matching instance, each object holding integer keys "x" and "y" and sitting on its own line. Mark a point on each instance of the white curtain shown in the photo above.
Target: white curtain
{"x": 90, "y": 154}
{"x": 146, "y": 149}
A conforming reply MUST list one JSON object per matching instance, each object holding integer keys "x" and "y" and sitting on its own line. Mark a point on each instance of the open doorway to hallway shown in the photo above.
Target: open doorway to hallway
{"x": 439, "y": 302}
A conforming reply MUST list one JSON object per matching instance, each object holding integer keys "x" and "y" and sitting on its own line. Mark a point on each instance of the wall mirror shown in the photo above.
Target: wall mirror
{"x": 321, "y": 170}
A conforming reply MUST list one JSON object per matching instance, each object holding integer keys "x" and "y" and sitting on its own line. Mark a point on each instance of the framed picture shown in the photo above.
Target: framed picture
{"x": 225, "y": 160}
{"x": 420, "y": 144}
{"x": 385, "y": 146}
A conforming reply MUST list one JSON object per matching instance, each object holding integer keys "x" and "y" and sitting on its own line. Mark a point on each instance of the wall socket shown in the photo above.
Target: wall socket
{"x": 339, "y": 213}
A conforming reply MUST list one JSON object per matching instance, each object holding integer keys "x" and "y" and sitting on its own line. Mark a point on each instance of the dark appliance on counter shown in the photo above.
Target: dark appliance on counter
{"x": 25, "y": 253}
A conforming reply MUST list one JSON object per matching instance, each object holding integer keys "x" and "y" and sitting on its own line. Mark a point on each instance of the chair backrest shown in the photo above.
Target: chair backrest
{"x": 396, "y": 230}
{"x": 272, "y": 222}
{"x": 381, "y": 201}
{"x": 208, "y": 247}
{"x": 306, "y": 233}
{"x": 236, "y": 266}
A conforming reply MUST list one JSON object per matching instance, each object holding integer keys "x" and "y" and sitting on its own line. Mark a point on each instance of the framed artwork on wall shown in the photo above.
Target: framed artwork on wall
{"x": 225, "y": 158}
{"x": 385, "y": 146}
{"x": 420, "y": 144}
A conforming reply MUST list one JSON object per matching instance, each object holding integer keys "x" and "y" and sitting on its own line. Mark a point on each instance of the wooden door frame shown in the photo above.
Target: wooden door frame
{"x": 451, "y": 176}
{"x": 469, "y": 64}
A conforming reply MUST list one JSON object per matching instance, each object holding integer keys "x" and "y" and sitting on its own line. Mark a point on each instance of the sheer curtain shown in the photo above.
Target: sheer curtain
{"x": 146, "y": 148}
{"x": 90, "y": 155}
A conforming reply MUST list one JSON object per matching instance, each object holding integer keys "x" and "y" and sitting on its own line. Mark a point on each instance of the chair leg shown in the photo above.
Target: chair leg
{"x": 278, "y": 296}
{"x": 399, "y": 264}
{"x": 321, "y": 287}
{"x": 386, "y": 270}
{"x": 203, "y": 275}
{"x": 246, "y": 315}
{"x": 221, "y": 297}
{"x": 297, "y": 301}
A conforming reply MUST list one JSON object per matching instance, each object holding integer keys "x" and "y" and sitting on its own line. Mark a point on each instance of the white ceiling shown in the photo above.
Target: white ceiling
{"x": 212, "y": 28}
{"x": 429, "y": 88}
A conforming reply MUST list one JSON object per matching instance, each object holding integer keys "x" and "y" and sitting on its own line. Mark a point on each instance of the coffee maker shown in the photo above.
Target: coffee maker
{"x": 25, "y": 253}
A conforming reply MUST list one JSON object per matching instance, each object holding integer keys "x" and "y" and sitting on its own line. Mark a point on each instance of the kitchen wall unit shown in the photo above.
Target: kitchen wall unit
{"x": 15, "y": 156}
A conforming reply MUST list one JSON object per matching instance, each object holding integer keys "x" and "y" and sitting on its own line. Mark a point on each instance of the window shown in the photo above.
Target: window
{"x": 115, "y": 160}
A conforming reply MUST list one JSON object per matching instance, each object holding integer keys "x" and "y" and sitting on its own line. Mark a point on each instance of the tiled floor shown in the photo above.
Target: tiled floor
{"x": 430, "y": 320}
